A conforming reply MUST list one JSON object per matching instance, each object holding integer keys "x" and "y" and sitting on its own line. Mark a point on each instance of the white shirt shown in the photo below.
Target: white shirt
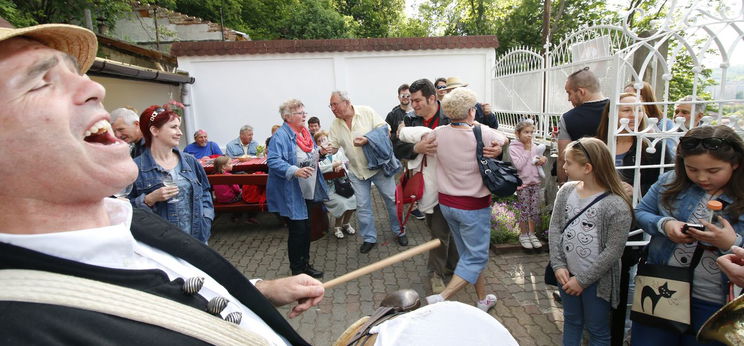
{"x": 115, "y": 247}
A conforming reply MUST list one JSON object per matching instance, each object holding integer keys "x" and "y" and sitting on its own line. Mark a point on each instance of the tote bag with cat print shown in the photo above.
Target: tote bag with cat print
{"x": 663, "y": 293}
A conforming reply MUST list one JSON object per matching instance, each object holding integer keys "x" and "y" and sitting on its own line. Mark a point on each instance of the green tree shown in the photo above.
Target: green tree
{"x": 315, "y": 19}
{"x": 227, "y": 12}
{"x": 13, "y": 15}
{"x": 264, "y": 18}
{"x": 375, "y": 18}
{"x": 70, "y": 11}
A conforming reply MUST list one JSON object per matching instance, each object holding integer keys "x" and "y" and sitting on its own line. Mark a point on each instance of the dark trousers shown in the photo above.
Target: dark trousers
{"x": 617, "y": 327}
{"x": 298, "y": 242}
{"x": 443, "y": 259}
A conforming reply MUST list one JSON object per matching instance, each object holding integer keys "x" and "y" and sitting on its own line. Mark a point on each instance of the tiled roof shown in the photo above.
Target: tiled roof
{"x": 338, "y": 45}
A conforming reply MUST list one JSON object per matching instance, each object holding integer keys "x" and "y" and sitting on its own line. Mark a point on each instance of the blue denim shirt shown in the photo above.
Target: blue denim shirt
{"x": 650, "y": 214}
{"x": 235, "y": 148}
{"x": 150, "y": 178}
{"x": 283, "y": 192}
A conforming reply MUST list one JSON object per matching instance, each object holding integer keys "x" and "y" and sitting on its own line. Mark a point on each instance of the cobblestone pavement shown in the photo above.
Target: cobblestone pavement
{"x": 525, "y": 306}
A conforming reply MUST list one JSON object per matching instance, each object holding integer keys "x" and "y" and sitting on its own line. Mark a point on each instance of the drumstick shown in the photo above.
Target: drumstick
{"x": 383, "y": 263}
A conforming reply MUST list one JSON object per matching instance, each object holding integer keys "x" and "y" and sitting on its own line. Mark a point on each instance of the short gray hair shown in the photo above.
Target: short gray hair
{"x": 343, "y": 95}
{"x": 285, "y": 109}
{"x": 128, "y": 115}
{"x": 245, "y": 128}
{"x": 458, "y": 103}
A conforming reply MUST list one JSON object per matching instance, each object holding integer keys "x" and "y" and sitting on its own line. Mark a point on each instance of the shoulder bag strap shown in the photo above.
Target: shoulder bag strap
{"x": 599, "y": 198}
{"x": 478, "y": 142}
{"x": 34, "y": 286}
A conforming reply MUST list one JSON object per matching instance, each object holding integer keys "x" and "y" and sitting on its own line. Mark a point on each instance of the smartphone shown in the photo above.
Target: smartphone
{"x": 696, "y": 226}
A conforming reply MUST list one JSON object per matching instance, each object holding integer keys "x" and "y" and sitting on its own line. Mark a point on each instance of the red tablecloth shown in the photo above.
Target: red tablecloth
{"x": 252, "y": 165}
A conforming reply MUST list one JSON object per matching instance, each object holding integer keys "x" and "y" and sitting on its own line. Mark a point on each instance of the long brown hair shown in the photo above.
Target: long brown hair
{"x": 732, "y": 153}
{"x": 603, "y": 165}
{"x": 648, "y": 95}
{"x": 219, "y": 164}
{"x": 604, "y": 122}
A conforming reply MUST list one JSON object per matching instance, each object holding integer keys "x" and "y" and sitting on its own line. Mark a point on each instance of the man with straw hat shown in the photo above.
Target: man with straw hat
{"x": 79, "y": 268}
{"x": 483, "y": 112}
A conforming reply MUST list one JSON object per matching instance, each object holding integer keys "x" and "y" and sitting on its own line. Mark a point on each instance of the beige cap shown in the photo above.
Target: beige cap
{"x": 79, "y": 42}
{"x": 454, "y": 82}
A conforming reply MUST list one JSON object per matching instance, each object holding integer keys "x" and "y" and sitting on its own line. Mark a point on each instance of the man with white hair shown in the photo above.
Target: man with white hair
{"x": 349, "y": 130}
{"x": 125, "y": 123}
{"x": 244, "y": 145}
{"x": 78, "y": 268}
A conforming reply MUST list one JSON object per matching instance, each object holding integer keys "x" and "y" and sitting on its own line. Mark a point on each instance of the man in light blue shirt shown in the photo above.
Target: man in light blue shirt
{"x": 202, "y": 146}
{"x": 243, "y": 145}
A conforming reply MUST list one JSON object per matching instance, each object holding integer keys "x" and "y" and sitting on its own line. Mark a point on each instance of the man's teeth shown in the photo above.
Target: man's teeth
{"x": 100, "y": 127}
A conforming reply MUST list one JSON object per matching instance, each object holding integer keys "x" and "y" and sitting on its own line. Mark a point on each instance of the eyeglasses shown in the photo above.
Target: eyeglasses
{"x": 335, "y": 104}
{"x": 586, "y": 153}
{"x": 299, "y": 113}
{"x": 440, "y": 87}
{"x": 155, "y": 113}
{"x": 405, "y": 96}
{"x": 710, "y": 143}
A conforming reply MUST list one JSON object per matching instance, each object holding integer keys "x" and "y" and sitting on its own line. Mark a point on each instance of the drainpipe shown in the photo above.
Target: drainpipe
{"x": 188, "y": 110}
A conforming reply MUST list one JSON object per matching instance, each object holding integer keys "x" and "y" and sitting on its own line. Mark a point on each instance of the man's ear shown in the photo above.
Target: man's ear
{"x": 136, "y": 123}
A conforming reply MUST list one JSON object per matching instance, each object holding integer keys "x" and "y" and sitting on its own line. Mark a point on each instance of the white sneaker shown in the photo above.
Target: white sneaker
{"x": 525, "y": 241}
{"x": 486, "y": 304}
{"x": 338, "y": 233}
{"x": 536, "y": 244}
{"x": 348, "y": 229}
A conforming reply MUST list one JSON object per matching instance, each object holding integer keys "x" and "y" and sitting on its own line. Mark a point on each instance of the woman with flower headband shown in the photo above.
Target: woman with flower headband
{"x": 171, "y": 183}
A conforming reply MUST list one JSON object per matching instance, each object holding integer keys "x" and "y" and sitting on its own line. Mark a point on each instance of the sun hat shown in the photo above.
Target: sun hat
{"x": 454, "y": 82}
{"x": 79, "y": 42}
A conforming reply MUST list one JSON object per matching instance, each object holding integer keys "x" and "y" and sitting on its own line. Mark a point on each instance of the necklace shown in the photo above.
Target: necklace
{"x": 460, "y": 124}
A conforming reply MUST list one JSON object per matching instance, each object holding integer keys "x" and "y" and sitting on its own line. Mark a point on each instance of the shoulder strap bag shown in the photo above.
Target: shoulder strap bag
{"x": 500, "y": 177}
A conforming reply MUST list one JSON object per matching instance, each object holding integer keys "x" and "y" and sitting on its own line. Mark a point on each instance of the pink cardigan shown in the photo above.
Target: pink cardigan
{"x": 523, "y": 162}
{"x": 457, "y": 170}
{"x": 226, "y": 193}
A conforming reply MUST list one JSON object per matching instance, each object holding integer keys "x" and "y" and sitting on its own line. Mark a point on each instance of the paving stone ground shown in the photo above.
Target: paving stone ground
{"x": 525, "y": 305}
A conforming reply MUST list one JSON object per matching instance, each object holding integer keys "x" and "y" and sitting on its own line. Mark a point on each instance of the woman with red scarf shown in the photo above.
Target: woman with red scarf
{"x": 295, "y": 183}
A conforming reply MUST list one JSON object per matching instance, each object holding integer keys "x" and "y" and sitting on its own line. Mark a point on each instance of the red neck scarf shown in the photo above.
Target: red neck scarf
{"x": 303, "y": 139}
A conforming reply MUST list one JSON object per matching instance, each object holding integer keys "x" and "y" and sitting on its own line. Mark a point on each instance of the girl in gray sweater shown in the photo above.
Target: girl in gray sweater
{"x": 585, "y": 254}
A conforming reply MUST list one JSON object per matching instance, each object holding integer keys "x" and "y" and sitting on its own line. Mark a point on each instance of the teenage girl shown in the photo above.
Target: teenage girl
{"x": 708, "y": 166}
{"x": 585, "y": 253}
{"x": 225, "y": 193}
{"x": 529, "y": 160}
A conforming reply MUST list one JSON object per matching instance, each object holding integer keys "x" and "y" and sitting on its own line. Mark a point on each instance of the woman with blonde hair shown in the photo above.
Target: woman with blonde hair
{"x": 464, "y": 200}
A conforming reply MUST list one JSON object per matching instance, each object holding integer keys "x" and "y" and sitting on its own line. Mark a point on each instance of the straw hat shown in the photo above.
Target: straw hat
{"x": 454, "y": 82}
{"x": 79, "y": 42}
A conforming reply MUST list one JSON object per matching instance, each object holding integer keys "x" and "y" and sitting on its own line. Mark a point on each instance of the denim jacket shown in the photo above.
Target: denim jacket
{"x": 283, "y": 192}
{"x": 651, "y": 213}
{"x": 150, "y": 179}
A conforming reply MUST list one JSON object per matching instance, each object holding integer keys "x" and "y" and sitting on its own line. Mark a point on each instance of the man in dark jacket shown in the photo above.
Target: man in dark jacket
{"x": 399, "y": 112}
{"x": 60, "y": 221}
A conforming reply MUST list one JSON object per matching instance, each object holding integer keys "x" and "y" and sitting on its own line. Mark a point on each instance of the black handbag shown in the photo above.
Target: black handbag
{"x": 499, "y": 177}
{"x": 550, "y": 278}
{"x": 343, "y": 187}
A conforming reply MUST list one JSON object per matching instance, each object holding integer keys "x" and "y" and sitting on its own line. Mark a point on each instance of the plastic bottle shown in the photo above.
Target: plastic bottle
{"x": 716, "y": 210}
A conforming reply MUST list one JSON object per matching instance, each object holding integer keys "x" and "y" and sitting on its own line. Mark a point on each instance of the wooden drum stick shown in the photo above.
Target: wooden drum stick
{"x": 383, "y": 263}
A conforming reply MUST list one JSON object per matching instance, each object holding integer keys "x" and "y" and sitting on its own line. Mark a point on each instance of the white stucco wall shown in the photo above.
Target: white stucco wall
{"x": 231, "y": 91}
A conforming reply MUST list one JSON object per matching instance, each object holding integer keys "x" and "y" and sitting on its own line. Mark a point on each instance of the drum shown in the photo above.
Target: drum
{"x": 445, "y": 323}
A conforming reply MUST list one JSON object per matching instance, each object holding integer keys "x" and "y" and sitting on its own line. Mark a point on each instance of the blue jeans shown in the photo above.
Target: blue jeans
{"x": 700, "y": 310}
{"x": 471, "y": 233}
{"x": 363, "y": 192}
{"x": 586, "y": 310}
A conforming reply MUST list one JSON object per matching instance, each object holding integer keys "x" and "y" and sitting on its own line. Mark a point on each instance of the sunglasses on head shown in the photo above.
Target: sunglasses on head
{"x": 710, "y": 143}
{"x": 156, "y": 112}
